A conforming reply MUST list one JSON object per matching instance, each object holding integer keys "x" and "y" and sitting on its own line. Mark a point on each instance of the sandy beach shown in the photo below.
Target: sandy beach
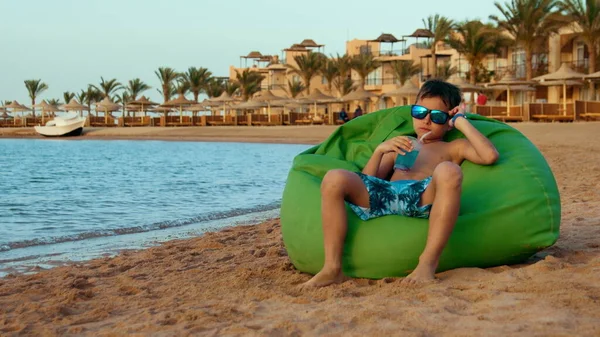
{"x": 239, "y": 281}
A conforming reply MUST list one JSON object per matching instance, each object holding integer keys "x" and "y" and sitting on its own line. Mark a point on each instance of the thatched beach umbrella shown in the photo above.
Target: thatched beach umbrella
{"x": 268, "y": 97}
{"x": 107, "y": 106}
{"x": 143, "y": 103}
{"x": 16, "y": 107}
{"x": 250, "y": 105}
{"x": 73, "y": 105}
{"x": 359, "y": 94}
{"x": 510, "y": 82}
{"x": 562, "y": 75}
{"x": 178, "y": 102}
{"x": 407, "y": 90}
{"x": 221, "y": 101}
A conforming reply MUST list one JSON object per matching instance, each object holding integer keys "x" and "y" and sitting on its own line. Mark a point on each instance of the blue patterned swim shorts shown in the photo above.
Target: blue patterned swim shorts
{"x": 400, "y": 197}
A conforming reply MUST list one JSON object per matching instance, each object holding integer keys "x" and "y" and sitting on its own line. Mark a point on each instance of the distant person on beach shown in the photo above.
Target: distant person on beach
{"x": 481, "y": 98}
{"x": 358, "y": 112}
{"x": 430, "y": 188}
{"x": 344, "y": 115}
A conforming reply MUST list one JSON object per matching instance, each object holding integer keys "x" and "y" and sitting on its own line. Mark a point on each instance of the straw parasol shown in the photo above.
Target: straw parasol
{"x": 359, "y": 94}
{"x": 464, "y": 85}
{"x": 178, "y": 102}
{"x": 594, "y": 76}
{"x": 509, "y": 82}
{"x": 222, "y": 100}
{"x": 409, "y": 88}
{"x": 562, "y": 75}
{"x": 16, "y": 107}
{"x": 107, "y": 106}
{"x": 142, "y": 102}
{"x": 268, "y": 97}
{"x": 73, "y": 105}
{"x": 250, "y": 104}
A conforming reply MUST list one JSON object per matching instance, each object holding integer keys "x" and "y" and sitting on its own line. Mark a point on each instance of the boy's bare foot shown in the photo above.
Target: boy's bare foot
{"x": 424, "y": 273}
{"x": 324, "y": 278}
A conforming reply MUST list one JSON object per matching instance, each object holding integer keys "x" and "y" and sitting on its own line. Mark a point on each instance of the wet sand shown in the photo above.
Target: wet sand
{"x": 239, "y": 281}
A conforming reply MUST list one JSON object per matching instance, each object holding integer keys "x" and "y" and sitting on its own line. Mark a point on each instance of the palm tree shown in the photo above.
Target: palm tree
{"x": 404, "y": 70}
{"x": 364, "y": 64}
{"x": 295, "y": 88}
{"x": 444, "y": 71}
{"x": 166, "y": 75}
{"x": 307, "y": 66}
{"x": 215, "y": 87}
{"x": 586, "y": 13}
{"x": 136, "y": 87}
{"x": 92, "y": 95}
{"x": 182, "y": 87}
{"x": 529, "y": 22}
{"x": 68, "y": 96}
{"x": 475, "y": 41}
{"x": 345, "y": 86}
{"x": 81, "y": 97}
{"x": 123, "y": 98}
{"x": 440, "y": 27}
{"x": 330, "y": 72}
{"x": 35, "y": 88}
{"x": 107, "y": 88}
{"x": 198, "y": 79}
{"x": 231, "y": 87}
{"x": 344, "y": 65}
{"x": 55, "y": 102}
{"x": 249, "y": 82}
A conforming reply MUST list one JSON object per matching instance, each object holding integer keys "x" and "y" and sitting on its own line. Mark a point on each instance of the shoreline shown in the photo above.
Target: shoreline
{"x": 242, "y": 134}
{"x": 309, "y": 135}
{"x": 239, "y": 280}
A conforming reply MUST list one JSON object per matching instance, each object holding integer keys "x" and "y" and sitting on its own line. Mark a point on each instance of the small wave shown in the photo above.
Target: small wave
{"x": 139, "y": 229}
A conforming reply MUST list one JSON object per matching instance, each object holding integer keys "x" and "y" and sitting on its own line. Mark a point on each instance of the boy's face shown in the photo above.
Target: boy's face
{"x": 422, "y": 126}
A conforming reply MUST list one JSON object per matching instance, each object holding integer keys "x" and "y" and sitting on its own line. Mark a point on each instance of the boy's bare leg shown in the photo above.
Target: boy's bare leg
{"x": 337, "y": 186}
{"x": 444, "y": 193}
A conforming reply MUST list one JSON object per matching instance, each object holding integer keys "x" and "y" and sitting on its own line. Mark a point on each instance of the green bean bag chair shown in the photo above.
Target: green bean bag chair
{"x": 509, "y": 211}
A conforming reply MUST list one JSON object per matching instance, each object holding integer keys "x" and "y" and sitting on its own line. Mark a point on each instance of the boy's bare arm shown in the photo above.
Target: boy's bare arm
{"x": 382, "y": 160}
{"x": 478, "y": 149}
{"x": 379, "y": 165}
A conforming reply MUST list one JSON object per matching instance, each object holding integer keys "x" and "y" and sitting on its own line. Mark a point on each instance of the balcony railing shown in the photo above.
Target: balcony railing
{"x": 380, "y": 81}
{"x": 377, "y": 53}
{"x": 581, "y": 65}
{"x": 273, "y": 87}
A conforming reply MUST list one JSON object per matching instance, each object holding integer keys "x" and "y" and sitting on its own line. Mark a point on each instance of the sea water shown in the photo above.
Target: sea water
{"x": 71, "y": 200}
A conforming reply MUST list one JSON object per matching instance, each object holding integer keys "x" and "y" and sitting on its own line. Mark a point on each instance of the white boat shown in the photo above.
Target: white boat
{"x": 68, "y": 125}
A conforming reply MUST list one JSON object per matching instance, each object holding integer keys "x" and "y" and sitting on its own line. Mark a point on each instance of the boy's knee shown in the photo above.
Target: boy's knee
{"x": 448, "y": 173}
{"x": 334, "y": 181}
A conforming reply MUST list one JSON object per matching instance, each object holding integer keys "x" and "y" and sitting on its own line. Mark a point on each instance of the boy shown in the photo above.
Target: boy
{"x": 430, "y": 189}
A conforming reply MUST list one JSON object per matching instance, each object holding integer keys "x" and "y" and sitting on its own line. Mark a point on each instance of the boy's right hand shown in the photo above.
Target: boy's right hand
{"x": 400, "y": 145}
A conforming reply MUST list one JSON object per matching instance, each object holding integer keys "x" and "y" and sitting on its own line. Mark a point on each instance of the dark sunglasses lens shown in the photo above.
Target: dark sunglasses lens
{"x": 418, "y": 112}
{"x": 439, "y": 117}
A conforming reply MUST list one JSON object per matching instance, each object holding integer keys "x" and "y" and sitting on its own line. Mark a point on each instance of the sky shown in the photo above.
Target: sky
{"x": 72, "y": 43}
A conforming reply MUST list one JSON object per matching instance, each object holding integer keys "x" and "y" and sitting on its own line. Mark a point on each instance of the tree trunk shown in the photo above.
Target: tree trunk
{"x": 592, "y": 57}
{"x": 433, "y": 60}
{"x": 196, "y": 93}
{"x": 528, "y": 64}
{"x": 33, "y": 108}
{"x": 472, "y": 74}
{"x": 307, "y": 80}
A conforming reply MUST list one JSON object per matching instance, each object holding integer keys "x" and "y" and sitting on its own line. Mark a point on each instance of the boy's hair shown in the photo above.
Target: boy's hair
{"x": 448, "y": 93}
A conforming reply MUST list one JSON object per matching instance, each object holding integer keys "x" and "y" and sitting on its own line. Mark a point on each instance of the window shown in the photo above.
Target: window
{"x": 374, "y": 78}
{"x": 365, "y": 50}
{"x": 518, "y": 63}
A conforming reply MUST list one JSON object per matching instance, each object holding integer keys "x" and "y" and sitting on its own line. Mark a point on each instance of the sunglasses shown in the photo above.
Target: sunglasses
{"x": 437, "y": 116}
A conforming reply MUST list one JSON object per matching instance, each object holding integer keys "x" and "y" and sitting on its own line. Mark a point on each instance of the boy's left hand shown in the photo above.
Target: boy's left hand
{"x": 452, "y": 113}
